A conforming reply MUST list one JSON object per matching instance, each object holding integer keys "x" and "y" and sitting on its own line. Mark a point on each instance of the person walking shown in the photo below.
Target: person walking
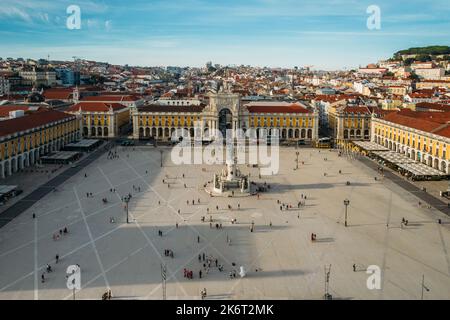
{"x": 57, "y": 258}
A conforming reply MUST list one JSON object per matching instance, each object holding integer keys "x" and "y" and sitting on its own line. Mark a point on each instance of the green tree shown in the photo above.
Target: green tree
{"x": 424, "y": 58}
{"x": 408, "y": 61}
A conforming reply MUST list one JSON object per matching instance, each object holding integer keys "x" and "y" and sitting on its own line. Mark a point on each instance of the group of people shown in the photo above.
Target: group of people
{"x": 113, "y": 155}
{"x": 107, "y": 295}
{"x": 218, "y": 225}
{"x": 404, "y": 222}
{"x": 193, "y": 201}
{"x": 57, "y": 236}
{"x": 168, "y": 253}
{"x": 189, "y": 274}
{"x": 207, "y": 263}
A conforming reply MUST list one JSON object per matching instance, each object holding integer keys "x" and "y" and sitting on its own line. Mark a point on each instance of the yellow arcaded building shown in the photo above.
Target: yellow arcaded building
{"x": 294, "y": 121}
{"x": 101, "y": 119}
{"x": 421, "y": 136}
{"x": 25, "y": 139}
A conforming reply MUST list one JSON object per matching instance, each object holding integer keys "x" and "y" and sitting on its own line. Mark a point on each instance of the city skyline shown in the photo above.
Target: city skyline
{"x": 328, "y": 35}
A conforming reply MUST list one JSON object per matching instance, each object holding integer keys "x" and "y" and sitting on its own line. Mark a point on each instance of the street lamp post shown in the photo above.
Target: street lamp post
{"x": 346, "y": 203}
{"x": 297, "y": 154}
{"x": 161, "y": 153}
{"x": 126, "y": 199}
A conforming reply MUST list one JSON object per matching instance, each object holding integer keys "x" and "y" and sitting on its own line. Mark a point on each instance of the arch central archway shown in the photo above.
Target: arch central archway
{"x": 225, "y": 121}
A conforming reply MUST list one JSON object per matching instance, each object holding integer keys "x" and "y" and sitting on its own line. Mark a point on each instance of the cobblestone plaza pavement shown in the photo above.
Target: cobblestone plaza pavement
{"x": 280, "y": 259}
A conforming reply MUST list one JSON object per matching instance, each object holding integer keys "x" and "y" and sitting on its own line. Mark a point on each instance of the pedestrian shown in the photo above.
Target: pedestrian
{"x": 57, "y": 258}
{"x": 200, "y": 274}
{"x": 204, "y": 256}
{"x": 198, "y": 239}
{"x": 42, "y": 278}
{"x": 199, "y": 258}
{"x": 354, "y": 267}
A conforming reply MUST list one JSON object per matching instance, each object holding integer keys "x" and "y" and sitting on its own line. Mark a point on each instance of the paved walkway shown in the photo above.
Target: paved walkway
{"x": 408, "y": 186}
{"x": 28, "y": 201}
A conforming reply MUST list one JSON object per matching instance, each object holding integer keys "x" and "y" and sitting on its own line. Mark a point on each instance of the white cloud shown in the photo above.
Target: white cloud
{"x": 108, "y": 25}
{"x": 13, "y": 12}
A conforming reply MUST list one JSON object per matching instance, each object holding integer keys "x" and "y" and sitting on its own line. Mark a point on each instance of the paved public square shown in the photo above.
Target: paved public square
{"x": 280, "y": 259}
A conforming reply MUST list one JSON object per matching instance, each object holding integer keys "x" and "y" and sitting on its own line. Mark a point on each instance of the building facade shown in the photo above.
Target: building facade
{"x": 38, "y": 78}
{"x": 350, "y": 123}
{"x": 225, "y": 112}
{"x": 130, "y": 101}
{"x": 4, "y": 86}
{"x": 101, "y": 120}
{"x": 421, "y": 136}
{"x": 24, "y": 140}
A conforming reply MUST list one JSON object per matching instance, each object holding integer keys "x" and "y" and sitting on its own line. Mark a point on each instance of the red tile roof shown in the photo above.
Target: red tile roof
{"x": 282, "y": 107}
{"x": 31, "y": 121}
{"x": 431, "y": 122}
{"x": 356, "y": 110}
{"x": 95, "y": 107}
{"x": 111, "y": 98}
{"x": 4, "y": 110}
{"x": 433, "y": 106}
{"x": 58, "y": 94}
{"x": 163, "y": 108}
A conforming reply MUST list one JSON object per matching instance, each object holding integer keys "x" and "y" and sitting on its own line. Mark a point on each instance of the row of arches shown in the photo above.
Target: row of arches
{"x": 356, "y": 134}
{"x": 30, "y": 158}
{"x": 96, "y": 132}
{"x": 416, "y": 155}
{"x": 161, "y": 133}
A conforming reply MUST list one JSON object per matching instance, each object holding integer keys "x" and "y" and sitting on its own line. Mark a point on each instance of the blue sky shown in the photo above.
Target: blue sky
{"x": 328, "y": 34}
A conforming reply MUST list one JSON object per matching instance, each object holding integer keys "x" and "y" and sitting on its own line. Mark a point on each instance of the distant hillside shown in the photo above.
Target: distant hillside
{"x": 431, "y": 50}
